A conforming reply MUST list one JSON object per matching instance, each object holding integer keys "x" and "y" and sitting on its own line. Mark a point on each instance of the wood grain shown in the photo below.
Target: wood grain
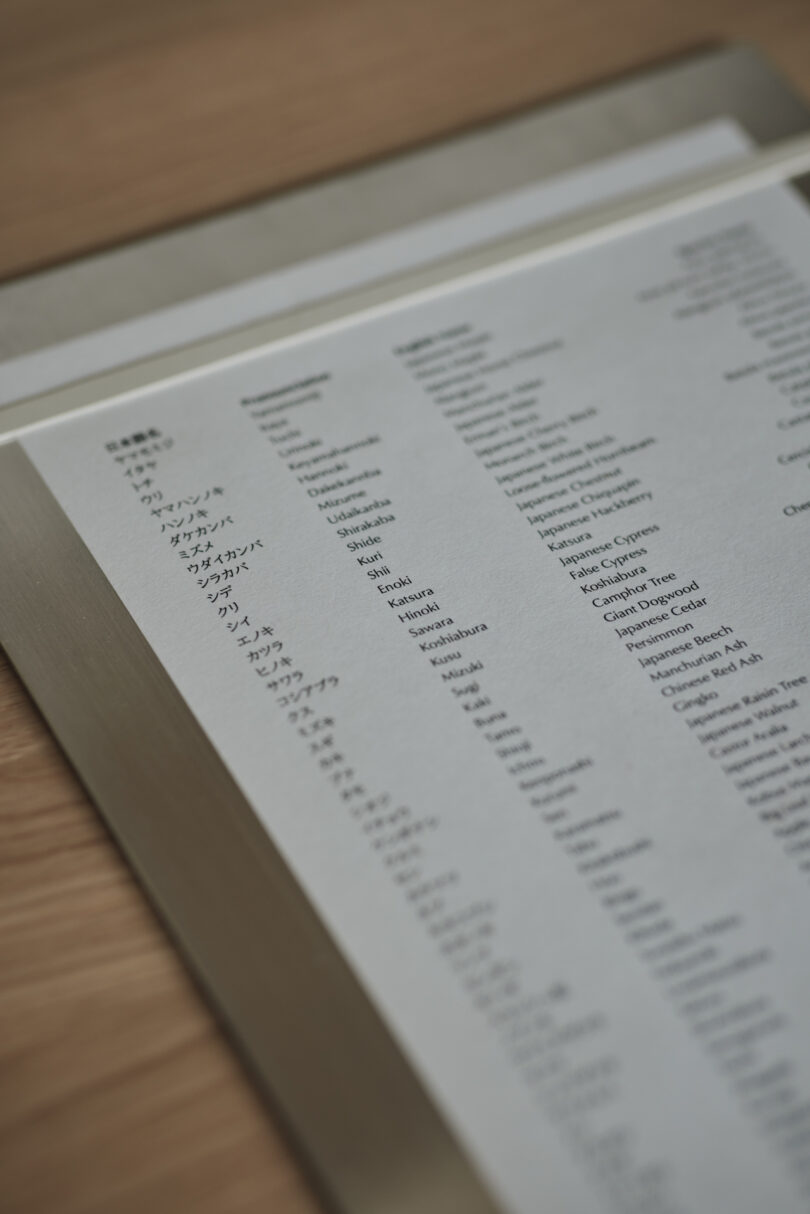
{"x": 117, "y": 1092}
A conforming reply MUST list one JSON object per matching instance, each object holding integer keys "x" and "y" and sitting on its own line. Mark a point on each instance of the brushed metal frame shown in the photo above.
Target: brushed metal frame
{"x": 782, "y": 161}
{"x": 373, "y": 1138}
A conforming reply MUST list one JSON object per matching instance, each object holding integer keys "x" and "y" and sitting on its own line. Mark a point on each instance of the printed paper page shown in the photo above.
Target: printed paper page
{"x": 494, "y": 601}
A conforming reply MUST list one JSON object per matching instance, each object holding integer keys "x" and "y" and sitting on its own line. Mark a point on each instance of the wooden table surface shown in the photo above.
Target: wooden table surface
{"x": 118, "y": 1093}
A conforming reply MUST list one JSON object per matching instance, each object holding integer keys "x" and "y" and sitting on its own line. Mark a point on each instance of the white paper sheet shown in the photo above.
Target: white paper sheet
{"x": 495, "y": 604}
